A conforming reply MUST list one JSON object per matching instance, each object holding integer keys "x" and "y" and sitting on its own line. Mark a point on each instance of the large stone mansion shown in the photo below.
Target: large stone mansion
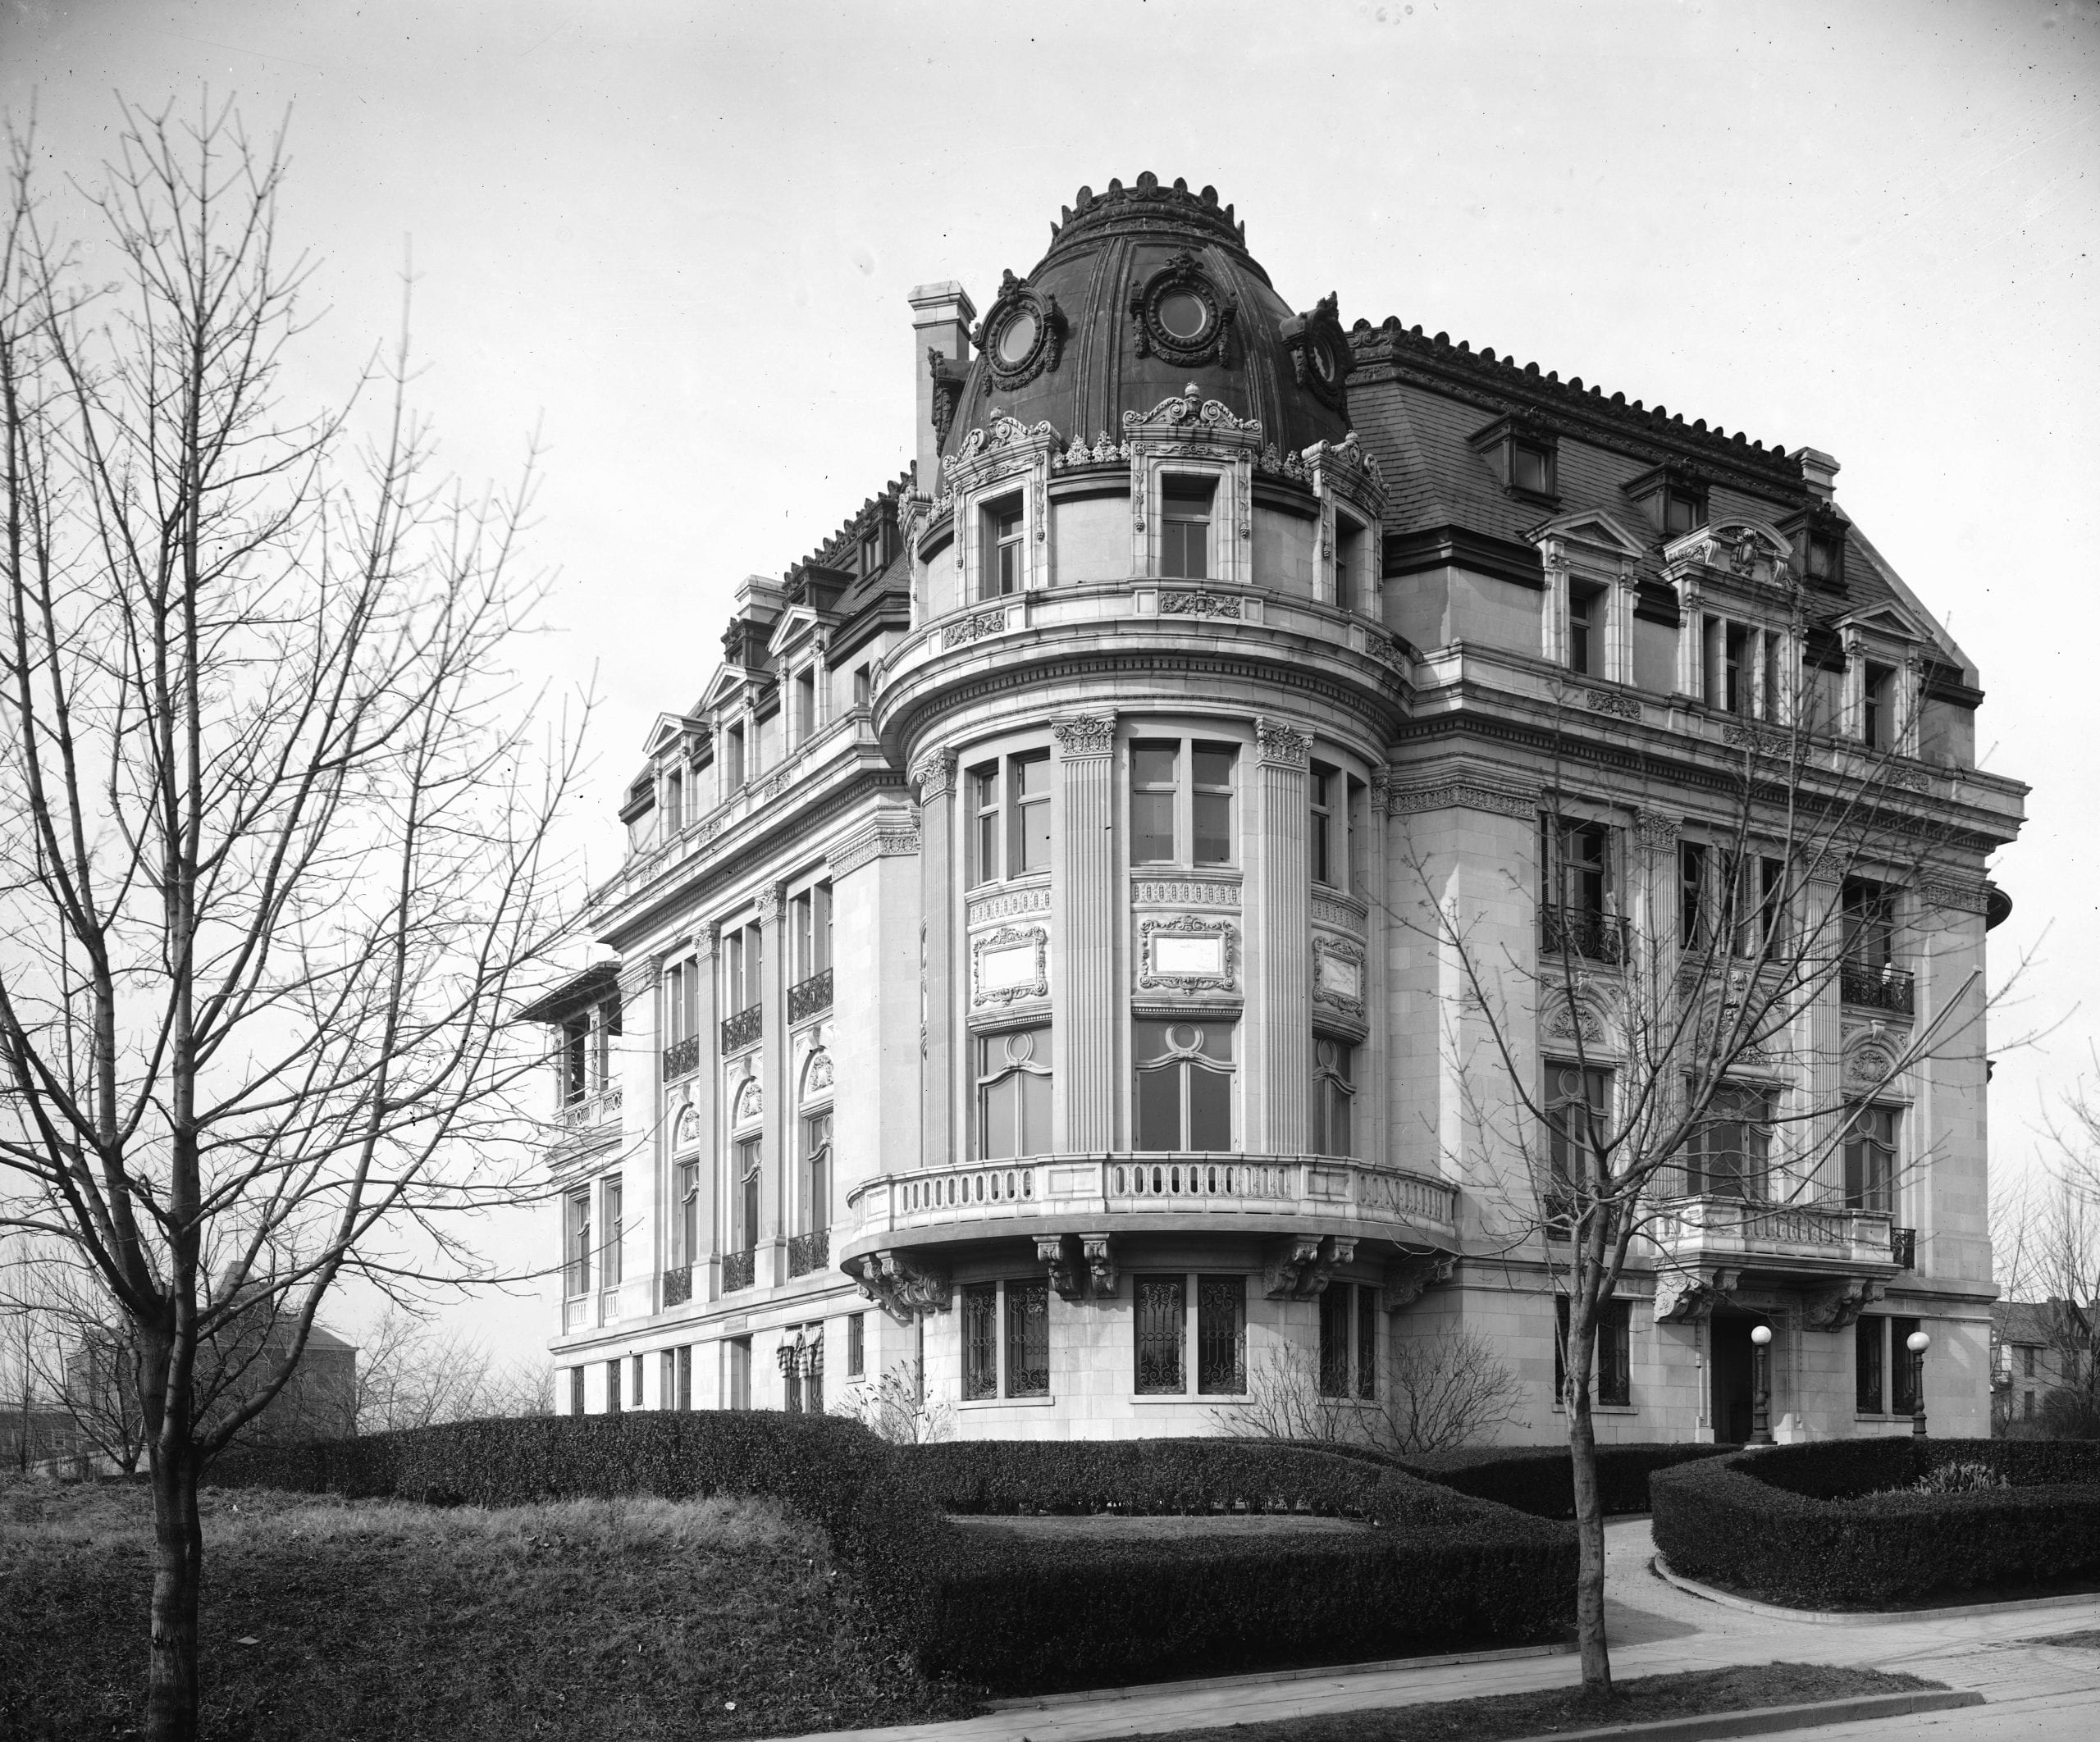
{"x": 1013, "y": 986}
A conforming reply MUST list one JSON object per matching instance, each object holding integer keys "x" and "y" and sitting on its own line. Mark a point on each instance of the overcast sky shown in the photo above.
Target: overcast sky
{"x": 678, "y": 239}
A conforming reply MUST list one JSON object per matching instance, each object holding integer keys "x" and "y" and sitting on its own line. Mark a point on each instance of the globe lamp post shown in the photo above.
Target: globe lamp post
{"x": 1917, "y": 1342}
{"x": 1761, "y": 1384}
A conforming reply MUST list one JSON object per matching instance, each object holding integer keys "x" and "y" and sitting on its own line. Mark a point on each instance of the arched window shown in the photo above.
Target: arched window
{"x": 1333, "y": 1096}
{"x": 1185, "y": 1085}
{"x": 1013, "y": 1094}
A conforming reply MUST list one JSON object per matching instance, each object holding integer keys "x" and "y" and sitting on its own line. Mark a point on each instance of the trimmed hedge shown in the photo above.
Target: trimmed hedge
{"x": 1170, "y": 1475}
{"x": 1034, "y": 1616}
{"x": 1835, "y": 1525}
{"x": 1013, "y": 1614}
{"x": 1540, "y": 1480}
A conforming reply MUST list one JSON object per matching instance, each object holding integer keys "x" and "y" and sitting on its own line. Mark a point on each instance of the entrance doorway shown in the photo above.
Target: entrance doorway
{"x": 1729, "y": 1367}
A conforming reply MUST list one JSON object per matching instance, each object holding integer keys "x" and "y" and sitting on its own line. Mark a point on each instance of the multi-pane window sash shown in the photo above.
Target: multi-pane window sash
{"x": 1578, "y": 899}
{"x": 1185, "y": 1073}
{"x": 1732, "y": 901}
{"x": 1870, "y": 1159}
{"x": 1028, "y": 1339}
{"x": 1334, "y": 1341}
{"x": 688, "y": 1211}
{"x": 857, "y": 1344}
{"x": 1184, "y": 528}
{"x": 981, "y": 1341}
{"x": 1612, "y": 1363}
{"x": 1010, "y": 817}
{"x": 1328, "y": 825}
{"x": 577, "y": 1256}
{"x": 612, "y": 1387}
{"x": 615, "y": 1234}
{"x": 1013, "y": 1094}
{"x": 1165, "y": 813}
{"x": 1578, "y": 1112}
{"x": 1161, "y": 1319}
{"x": 1003, "y": 550}
{"x": 576, "y": 1391}
{"x": 1581, "y": 654}
{"x": 1731, "y": 1146}
{"x": 1333, "y": 1096}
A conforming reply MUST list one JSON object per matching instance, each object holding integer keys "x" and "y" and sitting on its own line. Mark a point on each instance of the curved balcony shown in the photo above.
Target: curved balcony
{"x": 1841, "y": 1258}
{"x": 1046, "y": 1195}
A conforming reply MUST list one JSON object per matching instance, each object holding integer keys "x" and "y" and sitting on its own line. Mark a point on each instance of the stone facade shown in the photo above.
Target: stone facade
{"x": 1049, "y": 956}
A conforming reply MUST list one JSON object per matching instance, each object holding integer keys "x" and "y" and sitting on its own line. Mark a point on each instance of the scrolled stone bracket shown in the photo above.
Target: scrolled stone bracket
{"x": 1300, "y": 1265}
{"x": 1408, "y": 1278}
{"x": 1690, "y": 1296}
{"x": 901, "y": 1287}
{"x": 1837, "y": 1308}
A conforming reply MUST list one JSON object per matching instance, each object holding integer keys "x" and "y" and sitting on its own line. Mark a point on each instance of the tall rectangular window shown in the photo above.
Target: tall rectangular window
{"x": 1154, "y": 783}
{"x": 1611, "y": 1365}
{"x": 744, "y": 1203}
{"x": 1028, "y": 1339}
{"x": 1184, "y": 528}
{"x": 576, "y": 1391}
{"x": 1029, "y": 816}
{"x": 857, "y": 1344}
{"x": 864, "y": 686}
{"x": 816, "y": 1172}
{"x": 1869, "y": 1338}
{"x": 1730, "y": 1145}
{"x": 688, "y": 1211}
{"x": 634, "y": 1380}
{"x": 1003, "y": 549}
{"x": 732, "y": 758}
{"x": 1366, "y": 1340}
{"x": 1210, "y": 802}
{"x": 684, "y": 1376}
{"x": 1578, "y": 1111}
{"x": 1349, "y": 555}
{"x": 575, "y": 1055}
{"x": 1868, "y": 911}
{"x": 1333, "y": 1096}
{"x": 738, "y": 1358}
{"x": 1870, "y": 1159}
{"x": 1903, "y": 1367}
{"x": 1185, "y": 1085}
{"x": 674, "y": 804}
{"x": 1161, "y": 1324}
{"x": 1013, "y": 1094}
{"x": 1334, "y": 1341}
{"x": 805, "y": 705}
{"x": 811, "y": 914}
{"x": 1694, "y": 894}
{"x": 1877, "y": 717}
{"x": 1220, "y": 1335}
{"x": 1582, "y": 646}
{"x": 612, "y": 1394}
{"x": 615, "y": 1234}
{"x": 1328, "y": 827}
{"x": 981, "y": 1340}
{"x": 984, "y": 857}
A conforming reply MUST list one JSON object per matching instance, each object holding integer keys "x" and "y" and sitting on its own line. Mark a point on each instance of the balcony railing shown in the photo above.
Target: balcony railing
{"x": 1903, "y": 1247}
{"x": 1596, "y": 937}
{"x": 810, "y": 997}
{"x": 1886, "y": 988}
{"x": 1812, "y": 1237}
{"x": 808, "y": 1252}
{"x": 742, "y": 1028}
{"x": 682, "y": 1058}
{"x": 739, "y": 1269}
{"x": 1256, "y": 1193}
{"x": 585, "y": 1112}
{"x": 678, "y": 1286}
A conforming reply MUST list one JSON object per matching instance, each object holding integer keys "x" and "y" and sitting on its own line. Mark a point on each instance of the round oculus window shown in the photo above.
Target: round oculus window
{"x": 1323, "y": 361}
{"x": 1017, "y": 337}
{"x": 1182, "y": 313}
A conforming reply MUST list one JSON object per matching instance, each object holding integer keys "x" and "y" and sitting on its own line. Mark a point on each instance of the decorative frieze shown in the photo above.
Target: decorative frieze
{"x": 1011, "y": 903}
{"x": 1957, "y": 897}
{"x": 1344, "y": 915}
{"x": 1188, "y": 955}
{"x": 1280, "y": 745}
{"x": 1610, "y": 701}
{"x": 1009, "y": 964}
{"x": 1085, "y": 735}
{"x": 974, "y": 628}
{"x": 1459, "y": 794}
{"x": 1199, "y": 604}
{"x": 879, "y": 841}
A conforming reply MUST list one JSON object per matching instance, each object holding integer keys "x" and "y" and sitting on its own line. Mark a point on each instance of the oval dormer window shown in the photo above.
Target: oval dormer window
{"x": 1017, "y": 338}
{"x": 1183, "y": 314}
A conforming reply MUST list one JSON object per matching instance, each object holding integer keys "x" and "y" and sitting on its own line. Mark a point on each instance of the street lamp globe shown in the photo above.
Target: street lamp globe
{"x": 1761, "y": 1334}
{"x": 1917, "y": 1342}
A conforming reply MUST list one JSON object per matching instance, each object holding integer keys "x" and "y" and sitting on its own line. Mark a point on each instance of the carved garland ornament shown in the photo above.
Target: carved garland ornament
{"x": 974, "y": 628}
{"x": 1155, "y": 975}
{"x": 1199, "y": 604}
{"x": 1338, "y": 974}
{"x": 1009, "y": 943}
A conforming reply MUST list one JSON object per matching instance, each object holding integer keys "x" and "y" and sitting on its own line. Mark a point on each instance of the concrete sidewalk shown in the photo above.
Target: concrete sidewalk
{"x": 1654, "y": 1628}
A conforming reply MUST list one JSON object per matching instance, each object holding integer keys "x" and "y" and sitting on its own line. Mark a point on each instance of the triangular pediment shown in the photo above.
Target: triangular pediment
{"x": 1890, "y": 620}
{"x": 670, "y": 730}
{"x": 796, "y": 622}
{"x": 1590, "y": 526}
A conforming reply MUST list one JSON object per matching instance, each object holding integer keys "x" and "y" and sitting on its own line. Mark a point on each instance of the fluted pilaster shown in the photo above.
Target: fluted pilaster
{"x": 935, "y": 775}
{"x": 1088, "y": 913}
{"x": 1279, "y": 1038}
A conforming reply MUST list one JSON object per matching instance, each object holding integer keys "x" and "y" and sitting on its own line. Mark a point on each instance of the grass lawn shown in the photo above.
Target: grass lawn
{"x": 1127, "y": 1526}
{"x": 325, "y": 1619}
{"x": 1639, "y": 1701}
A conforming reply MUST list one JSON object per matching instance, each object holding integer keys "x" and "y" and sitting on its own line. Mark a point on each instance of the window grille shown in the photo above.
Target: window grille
{"x": 1161, "y": 1321}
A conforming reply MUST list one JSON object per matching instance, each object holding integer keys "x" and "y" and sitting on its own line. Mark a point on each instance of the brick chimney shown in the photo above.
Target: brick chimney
{"x": 941, "y": 317}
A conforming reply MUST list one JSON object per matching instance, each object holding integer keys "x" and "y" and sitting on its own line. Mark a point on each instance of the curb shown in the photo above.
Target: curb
{"x": 1262, "y": 1679}
{"x": 1862, "y": 1617}
{"x": 1760, "y": 1720}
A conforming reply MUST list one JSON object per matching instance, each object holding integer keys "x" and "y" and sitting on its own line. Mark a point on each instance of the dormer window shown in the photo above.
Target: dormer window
{"x": 1822, "y": 556}
{"x": 1184, "y": 535}
{"x": 1684, "y": 510}
{"x": 1530, "y": 466}
{"x": 874, "y": 550}
{"x": 732, "y": 760}
{"x": 1585, "y": 611}
{"x": 1002, "y": 549}
{"x": 805, "y": 705}
{"x": 1877, "y": 711}
{"x": 674, "y": 802}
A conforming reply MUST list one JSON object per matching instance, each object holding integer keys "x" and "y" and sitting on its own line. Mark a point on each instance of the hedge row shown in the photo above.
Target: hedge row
{"x": 1172, "y": 1475}
{"x": 1835, "y": 1525}
{"x": 1540, "y": 1480}
{"x": 1034, "y": 1616}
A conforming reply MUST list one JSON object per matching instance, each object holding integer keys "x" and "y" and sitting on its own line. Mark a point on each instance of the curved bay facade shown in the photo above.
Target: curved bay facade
{"x": 1018, "y": 985}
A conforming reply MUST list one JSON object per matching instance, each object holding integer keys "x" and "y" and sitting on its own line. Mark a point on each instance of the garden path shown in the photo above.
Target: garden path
{"x": 2050, "y": 1691}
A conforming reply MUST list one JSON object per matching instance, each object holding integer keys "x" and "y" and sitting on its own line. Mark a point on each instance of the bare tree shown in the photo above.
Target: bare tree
{"x": 1438, "y": 1393}
{"x": 74, "y": 1354}
{"x": 894, "y": 1407}
{"x": 273, "y": 819}
{"x": 411, "y": 1374}
{"x": 2045, "y": 1241}
{"x": 1677, "y": 985}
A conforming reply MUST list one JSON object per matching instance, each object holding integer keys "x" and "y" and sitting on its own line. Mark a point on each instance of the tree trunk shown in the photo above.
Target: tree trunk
{"x": 179, "y": 1558}
{"x": 1589, "y": 1514}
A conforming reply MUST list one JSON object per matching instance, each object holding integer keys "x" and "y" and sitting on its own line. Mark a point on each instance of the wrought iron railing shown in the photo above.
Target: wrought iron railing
{"x": 810, "y": 997}
{"x": 739, "y": 1269}
{"x": 808, "y": 1251}
{"x": 1596, "y": 937}
{"x": 1903, "y": 1247}
{"x": 1886, "y": 988}
{"x": 682, "y": 1058}
{"x": 678, "y": 1286}
{"x": 742, "y": 1028}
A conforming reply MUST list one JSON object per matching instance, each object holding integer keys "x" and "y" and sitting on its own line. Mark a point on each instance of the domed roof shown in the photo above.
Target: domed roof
{"x": 1144, "y": 290}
